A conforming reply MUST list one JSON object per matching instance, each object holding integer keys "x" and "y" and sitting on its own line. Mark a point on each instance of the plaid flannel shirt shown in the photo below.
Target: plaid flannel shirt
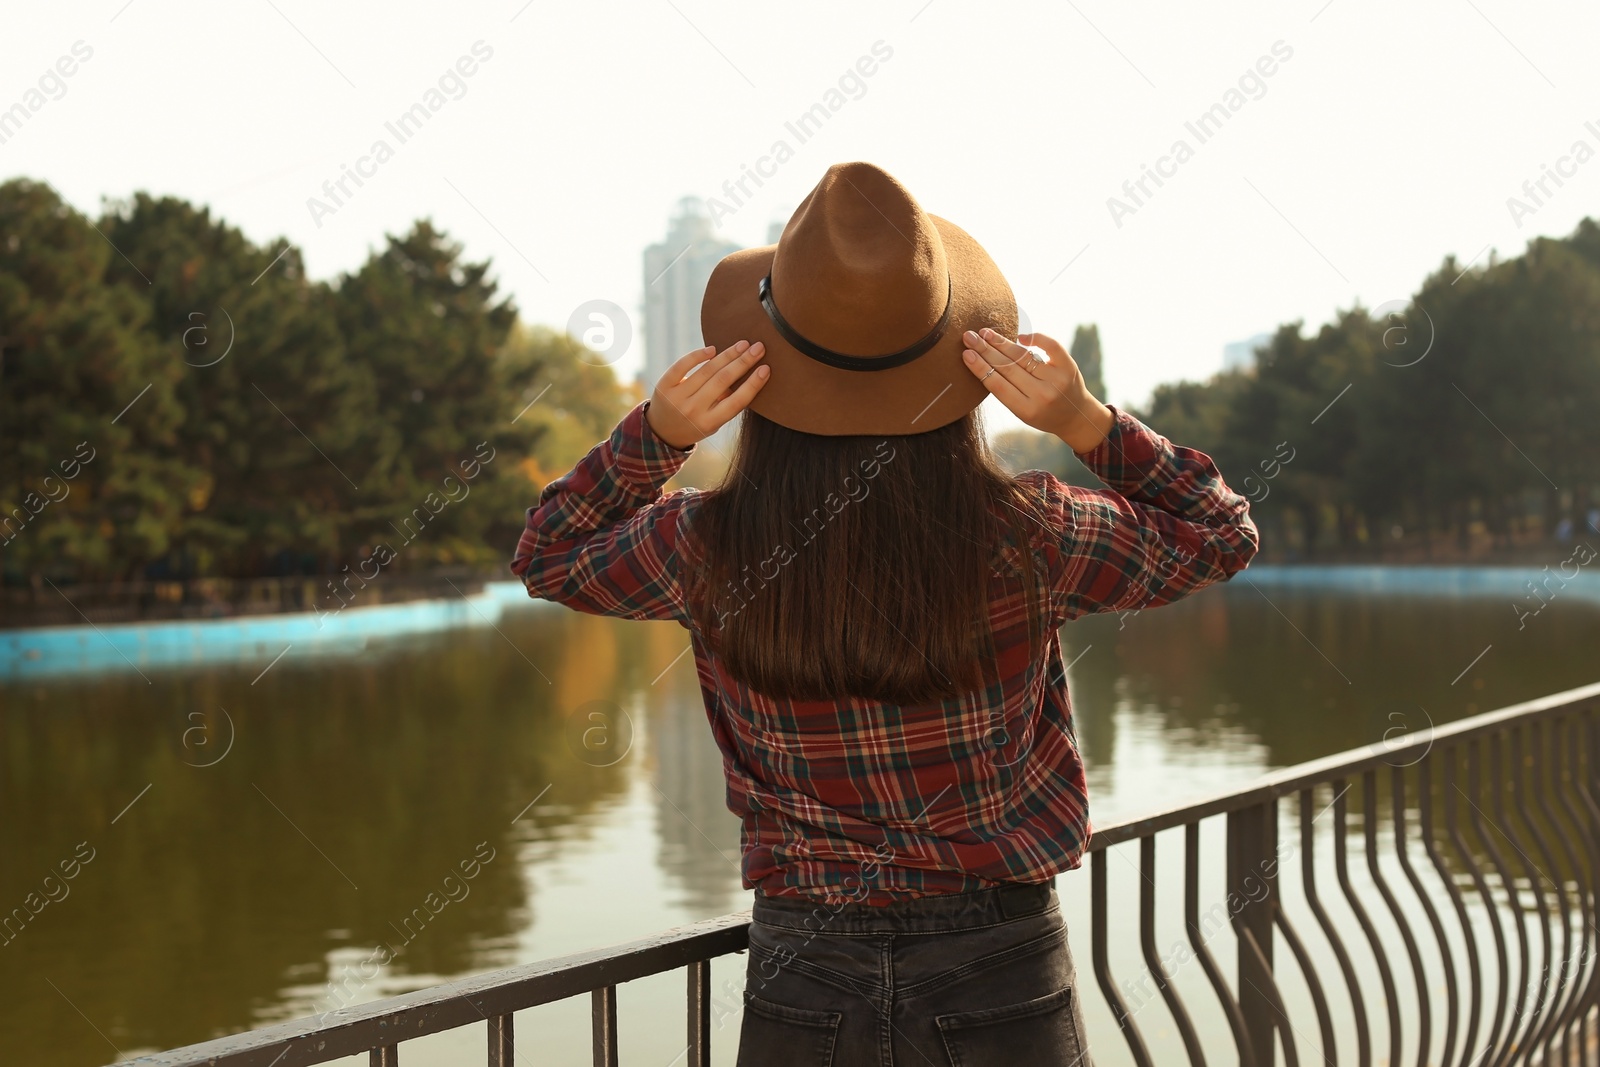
{"x": 857, "y": 800}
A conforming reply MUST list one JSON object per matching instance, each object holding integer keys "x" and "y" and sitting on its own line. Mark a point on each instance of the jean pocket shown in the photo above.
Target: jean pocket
{"x": 776, "y": 1035}
{"x": 1042, "y": 1032}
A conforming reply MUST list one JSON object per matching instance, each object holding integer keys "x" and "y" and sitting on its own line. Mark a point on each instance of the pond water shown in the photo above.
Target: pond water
{"x": 239, "y": 840}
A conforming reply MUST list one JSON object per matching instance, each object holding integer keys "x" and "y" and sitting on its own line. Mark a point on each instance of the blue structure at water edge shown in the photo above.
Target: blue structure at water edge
{"x": 58, "y": 650}
{"x": 1514, "y": 583}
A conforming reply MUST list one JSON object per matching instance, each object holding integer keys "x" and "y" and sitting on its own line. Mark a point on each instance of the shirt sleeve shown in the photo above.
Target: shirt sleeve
{"x": 603, "y": 539}
{"x": 1166, "y": 526}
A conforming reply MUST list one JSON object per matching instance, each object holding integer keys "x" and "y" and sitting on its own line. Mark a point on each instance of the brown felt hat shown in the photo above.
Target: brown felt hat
{"x": 861, "y": 306}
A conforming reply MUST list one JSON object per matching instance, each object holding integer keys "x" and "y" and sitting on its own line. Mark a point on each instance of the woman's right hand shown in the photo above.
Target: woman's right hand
{"x": 1047, "y": 394}
{"x": 697, "y": 397}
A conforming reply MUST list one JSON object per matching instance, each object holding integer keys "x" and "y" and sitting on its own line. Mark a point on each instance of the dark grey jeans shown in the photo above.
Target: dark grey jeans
{"x": 980, "y": 979}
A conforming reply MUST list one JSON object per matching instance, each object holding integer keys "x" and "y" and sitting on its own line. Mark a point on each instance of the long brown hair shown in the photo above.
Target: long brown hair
{"x": 857, "y": 566}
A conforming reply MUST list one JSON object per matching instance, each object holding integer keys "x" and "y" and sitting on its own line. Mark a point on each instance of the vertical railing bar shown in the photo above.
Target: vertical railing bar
{"x": 1482, "y": 885}
{"x": 1585, "y": 764}
{"x": 1370, "y": 806}
{"x": 1252, "y": 860}
{"x": 1341, "y": 868}
{"x": 1402, "y": 850}
{"x": 1539, "y": 1027}
{"x": 1102, "y": 966}
{"x": 1569, "y": 742}
{"x": 1308, "y": 877}
{"x": 1319, "y": 1000}
{"x": 384, "y": 1056}
{"x": 1568, "y": 746}
{"x": 1558, "y": 1045}
{"x": 1495, "y": 745}
{"x": 699, "y": 998}
{"x": 1589, "y": 779}
{"x": 1546, "y": 779}
{"x": 1491, "y": 1047}
{"x": 1208, "y": 962}
{"x": 603, "y": 1013}
{"x": 1152, "y": 955}
{"x": 1413, "y": 950}
{"x": 1536, "y": 877}
{"x": 1430, "y": 845}
{"x": 502, "y": 1043}
{"x": 1263, "y": 966}
{"x": 1582, "y": 808}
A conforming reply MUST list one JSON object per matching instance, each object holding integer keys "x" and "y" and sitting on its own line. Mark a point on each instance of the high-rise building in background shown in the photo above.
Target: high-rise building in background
{"x": 675, "y": 276}
{"x": 1241, "y": 355}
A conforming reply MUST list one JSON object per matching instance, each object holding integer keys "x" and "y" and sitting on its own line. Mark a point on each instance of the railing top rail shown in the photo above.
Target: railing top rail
{"x": 354, "y": 1030}
{"x": 1345, "y": 764}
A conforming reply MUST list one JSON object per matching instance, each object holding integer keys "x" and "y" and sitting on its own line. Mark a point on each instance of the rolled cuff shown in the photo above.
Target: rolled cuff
{"x": 642, "y": 459}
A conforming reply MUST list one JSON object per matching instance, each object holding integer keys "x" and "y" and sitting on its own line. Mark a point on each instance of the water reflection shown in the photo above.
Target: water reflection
{"x": 698, "y": 835}
{"x": 338, "y": 823}
{"x": 1303, "y": 674}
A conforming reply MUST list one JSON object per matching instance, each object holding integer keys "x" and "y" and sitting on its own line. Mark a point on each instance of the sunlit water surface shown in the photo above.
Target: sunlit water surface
{"x": 282, "y": 830}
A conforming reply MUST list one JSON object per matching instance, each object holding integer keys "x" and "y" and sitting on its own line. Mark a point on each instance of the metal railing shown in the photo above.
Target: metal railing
{"x": 1533, "y": 813}
{"x": 1502, "y": 921}
{"x": 379, "y": 1027}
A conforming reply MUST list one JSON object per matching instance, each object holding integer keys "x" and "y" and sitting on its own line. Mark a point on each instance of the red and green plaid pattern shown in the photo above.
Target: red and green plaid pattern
{"x": 860, "y": 800}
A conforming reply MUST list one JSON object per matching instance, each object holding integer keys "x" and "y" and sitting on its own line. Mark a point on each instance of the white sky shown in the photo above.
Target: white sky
{"x": 1393, "y": 136}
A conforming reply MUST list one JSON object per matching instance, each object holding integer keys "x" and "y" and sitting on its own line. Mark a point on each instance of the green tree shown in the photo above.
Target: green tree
{"x": 1085, "y": 352}
{"x": 432, "y": 333}
{"x": 1472, "y": 402}
{"x": 274, "y": 411}
{"x": 572, "y": 397}
{"x": 88, "y": 481}
{"x": 1193, "y": 413}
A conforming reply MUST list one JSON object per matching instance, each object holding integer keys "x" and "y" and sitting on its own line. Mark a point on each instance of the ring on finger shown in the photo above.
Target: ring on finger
{"x": 986, "y": 375}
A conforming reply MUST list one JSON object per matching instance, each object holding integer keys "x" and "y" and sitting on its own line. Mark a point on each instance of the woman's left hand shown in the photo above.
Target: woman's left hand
{"x": 1048, "y": 394}
{"x": 696, "y": 398}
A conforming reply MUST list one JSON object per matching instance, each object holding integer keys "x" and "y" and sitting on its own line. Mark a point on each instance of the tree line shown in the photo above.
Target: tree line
{"x": 1458, "y": 423}
{"x": 177, "y": 401}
